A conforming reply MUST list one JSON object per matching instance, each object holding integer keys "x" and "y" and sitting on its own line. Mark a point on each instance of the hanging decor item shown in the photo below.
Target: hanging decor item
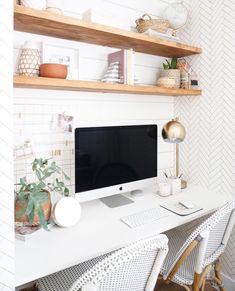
{"x": 177, "y": 14}
{"x": 55, "y": 6}
{"x": 29, "y": 60}
{"x": 35, "y": 4}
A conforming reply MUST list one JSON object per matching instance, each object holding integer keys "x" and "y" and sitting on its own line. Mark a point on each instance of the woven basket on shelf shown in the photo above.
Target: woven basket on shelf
{"x": 146, "y": 22}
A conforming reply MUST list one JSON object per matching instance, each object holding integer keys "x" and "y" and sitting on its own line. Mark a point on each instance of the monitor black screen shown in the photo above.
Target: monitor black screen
{"x": 108, "y": 156}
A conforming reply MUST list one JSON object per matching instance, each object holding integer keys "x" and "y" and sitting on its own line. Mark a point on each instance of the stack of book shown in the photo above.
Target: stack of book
{"x": 25, "y": 232}
{"x": 120, "y": 67}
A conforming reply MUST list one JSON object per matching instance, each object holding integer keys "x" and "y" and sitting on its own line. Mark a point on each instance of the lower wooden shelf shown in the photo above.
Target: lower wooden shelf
{"x": 91, "y": 86}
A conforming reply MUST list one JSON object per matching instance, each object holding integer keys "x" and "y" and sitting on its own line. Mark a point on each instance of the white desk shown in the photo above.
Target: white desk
{"x": 100, "y": 231}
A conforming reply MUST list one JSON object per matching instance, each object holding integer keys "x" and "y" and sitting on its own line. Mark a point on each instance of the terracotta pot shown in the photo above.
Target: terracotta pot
{"x": 53, "y": 71}
{"x": 20, "y": 205}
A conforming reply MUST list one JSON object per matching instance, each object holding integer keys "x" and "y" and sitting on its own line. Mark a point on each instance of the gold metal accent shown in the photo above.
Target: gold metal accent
{"x": 174, "y": 132}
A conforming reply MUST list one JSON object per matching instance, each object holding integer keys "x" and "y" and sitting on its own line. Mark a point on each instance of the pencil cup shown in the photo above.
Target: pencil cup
{"x": 164, "y": 189}
{"x": 175, "y": 185}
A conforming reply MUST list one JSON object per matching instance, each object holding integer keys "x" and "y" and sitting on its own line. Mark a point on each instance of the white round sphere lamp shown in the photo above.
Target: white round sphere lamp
{"x": 66, "y": 212}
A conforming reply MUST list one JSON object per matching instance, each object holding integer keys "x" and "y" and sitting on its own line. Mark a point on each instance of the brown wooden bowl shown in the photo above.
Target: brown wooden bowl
{"x": 53, "y": 71}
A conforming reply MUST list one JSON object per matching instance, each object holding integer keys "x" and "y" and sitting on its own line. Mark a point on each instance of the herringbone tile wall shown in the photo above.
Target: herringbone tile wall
{"x": 208, "y": 154}
{"x": 6, "y": 146}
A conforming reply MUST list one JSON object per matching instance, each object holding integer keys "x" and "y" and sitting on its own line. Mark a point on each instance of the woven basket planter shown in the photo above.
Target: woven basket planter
{"x": 172, "y": 74}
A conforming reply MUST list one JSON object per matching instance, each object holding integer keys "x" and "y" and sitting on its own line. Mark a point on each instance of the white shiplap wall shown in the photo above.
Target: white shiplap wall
{"x": 35, "y": 109}
{"x": 208, "y": 153}
{"x": 6, "y": 146}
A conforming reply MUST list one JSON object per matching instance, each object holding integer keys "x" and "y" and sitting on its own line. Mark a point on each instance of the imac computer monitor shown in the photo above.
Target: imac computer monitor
{"x": 114, "y": 160}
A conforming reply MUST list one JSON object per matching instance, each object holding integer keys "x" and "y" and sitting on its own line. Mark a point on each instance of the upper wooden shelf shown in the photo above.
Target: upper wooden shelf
{"x": 91, "y": 86}
{"x": 44, "y": 23}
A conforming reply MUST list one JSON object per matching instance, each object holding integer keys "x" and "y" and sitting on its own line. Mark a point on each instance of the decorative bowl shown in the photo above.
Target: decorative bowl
{"x": 53, "y": 71}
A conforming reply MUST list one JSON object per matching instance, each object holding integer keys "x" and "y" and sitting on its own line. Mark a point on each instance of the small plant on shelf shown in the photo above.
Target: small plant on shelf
{"x": 172, "y": 65}
{"x": 170, "y": 75}
{"x": 33, "y": 201}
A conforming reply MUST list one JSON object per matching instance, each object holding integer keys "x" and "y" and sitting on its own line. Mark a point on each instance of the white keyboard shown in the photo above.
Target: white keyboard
{"x": 144, "y": 217}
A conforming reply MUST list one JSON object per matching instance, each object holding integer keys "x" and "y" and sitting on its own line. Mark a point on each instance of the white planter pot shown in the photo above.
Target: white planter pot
{"x": 172, "y": 74}
{"x": 30, "y": 60}
{"x": 35, "y": 4}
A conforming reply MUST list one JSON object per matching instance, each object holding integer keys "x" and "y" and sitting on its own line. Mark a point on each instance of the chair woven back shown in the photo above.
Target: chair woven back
{"x": 133, "y": 268}
{"x": 218, "y": 226}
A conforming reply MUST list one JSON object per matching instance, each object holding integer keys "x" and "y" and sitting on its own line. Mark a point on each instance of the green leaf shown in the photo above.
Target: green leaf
{"x": 30, "y": 206}
{"x": 165, "y": 67}
{"x": 41, "y": 217}
{"x": 174, "y": 63}
{"x": 23, "y": 181}
{"x": 38, "y": 174}
{"x": 66, "y": 191}
{"x": 66, "y": 177}
{"x": 31, "y": 215}
{"x": 34, "y": 164}
{"x": 169, "y": 65}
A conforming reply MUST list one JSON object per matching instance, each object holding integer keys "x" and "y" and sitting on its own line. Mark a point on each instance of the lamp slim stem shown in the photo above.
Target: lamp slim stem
{"x": 177, "y": 160}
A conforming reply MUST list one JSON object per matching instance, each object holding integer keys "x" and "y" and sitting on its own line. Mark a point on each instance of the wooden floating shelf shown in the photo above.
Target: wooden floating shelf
{"x": 45, "y": 23}
{"x": 91, "y": 86}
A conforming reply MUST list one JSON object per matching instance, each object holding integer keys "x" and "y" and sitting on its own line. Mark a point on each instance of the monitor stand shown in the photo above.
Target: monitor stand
{"x": 116, "y": 200}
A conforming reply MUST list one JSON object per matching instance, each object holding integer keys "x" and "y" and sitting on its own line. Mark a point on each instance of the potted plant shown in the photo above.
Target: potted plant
{"x": 33, "y": 201}
{"x": 170, "y": 71}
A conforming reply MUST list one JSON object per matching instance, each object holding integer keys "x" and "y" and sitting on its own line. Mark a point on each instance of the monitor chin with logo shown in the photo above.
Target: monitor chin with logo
{"x": 114, "y": 159}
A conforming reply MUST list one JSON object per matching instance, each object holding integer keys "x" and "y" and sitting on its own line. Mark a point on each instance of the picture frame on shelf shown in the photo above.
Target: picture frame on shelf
{"x": 60, "y": 54}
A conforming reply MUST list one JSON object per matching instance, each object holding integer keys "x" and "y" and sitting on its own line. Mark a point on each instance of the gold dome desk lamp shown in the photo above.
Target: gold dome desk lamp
{"x": 174, "y": 132}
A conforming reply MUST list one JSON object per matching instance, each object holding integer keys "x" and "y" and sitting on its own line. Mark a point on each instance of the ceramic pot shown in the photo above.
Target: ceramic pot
{"x": 20, "y": 206}
{"x": 29, "y": 60}
{"x": 53, "y": 71}
{"x": 35, "y": 4}
{"x": 172, "y": 74}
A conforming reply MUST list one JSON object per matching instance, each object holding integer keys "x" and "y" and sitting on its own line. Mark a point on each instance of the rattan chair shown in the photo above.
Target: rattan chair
{"x": 195, "y": 250}
{"x": 131, "y": 268}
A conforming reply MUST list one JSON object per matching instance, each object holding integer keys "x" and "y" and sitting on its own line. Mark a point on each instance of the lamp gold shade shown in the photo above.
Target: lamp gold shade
{"x": 174, "y": 132}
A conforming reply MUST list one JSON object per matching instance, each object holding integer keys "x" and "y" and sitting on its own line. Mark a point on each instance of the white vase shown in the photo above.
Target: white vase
{"x": 30, "y": 60}
{"x": 35, "y": 4}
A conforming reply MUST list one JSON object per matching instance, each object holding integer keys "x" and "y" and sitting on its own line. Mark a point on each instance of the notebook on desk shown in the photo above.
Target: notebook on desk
{"x": 177, "y": 208}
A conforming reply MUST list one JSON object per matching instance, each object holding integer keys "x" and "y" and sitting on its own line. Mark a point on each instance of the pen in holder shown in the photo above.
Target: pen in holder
{"x": 175, "y": 184}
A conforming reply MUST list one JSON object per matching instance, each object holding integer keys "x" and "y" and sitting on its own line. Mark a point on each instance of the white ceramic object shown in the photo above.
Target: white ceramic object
{"x": 175, "y": 185}
{"x": 164, "y": 189}
{"x": 35, "y": 4}
{"x": 66, "y": 212}
{"x": 55, "y": 6}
